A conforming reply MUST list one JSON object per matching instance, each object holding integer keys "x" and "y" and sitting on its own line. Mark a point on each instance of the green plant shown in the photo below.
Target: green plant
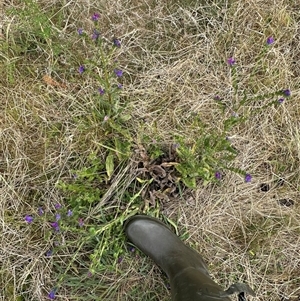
{"x": 212, "y": 153}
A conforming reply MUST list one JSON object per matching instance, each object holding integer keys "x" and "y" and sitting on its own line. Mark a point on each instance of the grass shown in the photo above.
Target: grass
{"x": 152, "y": 146}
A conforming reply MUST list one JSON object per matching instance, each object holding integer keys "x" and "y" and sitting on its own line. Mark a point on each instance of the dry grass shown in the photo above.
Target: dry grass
{"x": 174, "y": 57}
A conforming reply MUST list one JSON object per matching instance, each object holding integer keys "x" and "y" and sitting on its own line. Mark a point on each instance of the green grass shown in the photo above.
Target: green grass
{"x": 151, "y": 147}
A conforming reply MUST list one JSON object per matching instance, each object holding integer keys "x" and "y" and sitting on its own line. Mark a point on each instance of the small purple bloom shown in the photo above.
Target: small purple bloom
{"x": 231, "y": 61}
{"x": 55, "y": 225}
{"x": 120, "y": 86}
{"x": 95, "y": 35}
{"x": 57, "y": 206}
{"x": 80, "y": 222}
{"x": 117, "y": 43}
{"x": 95, "y": 16}
{"x": 120, "y": 259}
{"x": 101, "y": 91}
{"x": 89, "y": 274}
{"x": 49, "y": 253}
{"x": 287, "y": 92}
{"x": 131, "y": 249}
{"x": 217, "y": 97}
{"x": 118, "y": 72}
{"x": 40, "y": 211}
{"x": 270, "y": 40}
{"x": 80, "y": 31}
{"x": 281, "y": 100}
{"x": 51, "y": 295}
{"x": 28, "y": 219}
{"x": 69, "y": 213}
{"x": 218, "y": 175}
{"x": 248, "y": 178}
{"x": 81, "y": 69}
{"x": 57, "y": 216}
{"x": 105, "y": 118}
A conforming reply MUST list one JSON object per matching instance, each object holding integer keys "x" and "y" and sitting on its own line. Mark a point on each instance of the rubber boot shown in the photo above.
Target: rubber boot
{"x": 185, "y": 268}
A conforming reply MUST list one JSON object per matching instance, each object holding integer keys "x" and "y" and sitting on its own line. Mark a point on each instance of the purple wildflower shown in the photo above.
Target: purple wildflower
{"x": 231, "y": 61}
{"x": 55, "y": 225}
{"x": 90, "y": 274}
{"x": 118, "y": 72}
{"x": 218, "y": 175}
{"x": 120, "y": 259}
{"x": 80, "y": 31}
{"x": 95, "y": 17}
{"x": 120, "y": 86}
{"x": 51, "y": 295}
{"x": 248, "y": 178}
{"x": 40, "y": 211}
{"x": 95, "y": 35}
{"x": 270, "y": 40}
{"x": 287, "y": 92}
{"x": 117, "y": 43}
{"x": 69, "y": 213}
{"x": 281, "y": 100}
{"x": 131, "y": 249}
{"x": 57, "y": 216}
{"x": 80, "y": 222}
{"x": 28, "y": 219}
{"x": 49, "y": 253}
{"x": 105, "y": 118}
{"x": 57, "y": 206}
{"x": 81, "y": 69}
{"x": 217, "y": 97}
{"x": 101, "y": 91}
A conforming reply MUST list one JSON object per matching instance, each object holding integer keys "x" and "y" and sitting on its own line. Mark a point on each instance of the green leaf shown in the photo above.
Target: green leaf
{"x": 109, "y": 164}
{"x": 189, "y": 182}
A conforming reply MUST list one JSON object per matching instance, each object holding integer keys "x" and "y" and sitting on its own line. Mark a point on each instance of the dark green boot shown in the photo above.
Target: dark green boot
{"x": 187, "y": 271}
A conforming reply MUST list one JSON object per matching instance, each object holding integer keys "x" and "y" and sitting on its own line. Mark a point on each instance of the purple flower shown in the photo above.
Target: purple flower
{"x": 118, "y": 72}
{"x": 95, "y": 35}
{"x": 80, "y": 222}
{"x": 40, "y": 211}
{"x": 101, "y": 91}
{"x": 69, "y": 213}
{"x": 57, "y": 216}
{"x": 120, "y": 259}
{"x": 287, "y": 92}
{"x": 117, "y": 43}
{"x": 95, "y": 16}
{"x": 49, "y": 253}
{"x": 81, "y": 69}
{"x": 80, "y": 31}
{"x": 120, "y": 86}
{"x": 218, "y": 175}
{"x": 28, "y": 219}
{"x": 281, "y": 100}
{"x": 131, "y": 249}
{"x": 89, "y": 274}
{"x": 217, "y": 97}
{"x": 55, "y": 225}
{"x": 248, "y": 178}
{"x": 105, "y": 118}
{"x": 231, "y": 61}
{"x": 270, "y": 40}
{"x": 57, "y": 206}
{"x": 51, "y": 295}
